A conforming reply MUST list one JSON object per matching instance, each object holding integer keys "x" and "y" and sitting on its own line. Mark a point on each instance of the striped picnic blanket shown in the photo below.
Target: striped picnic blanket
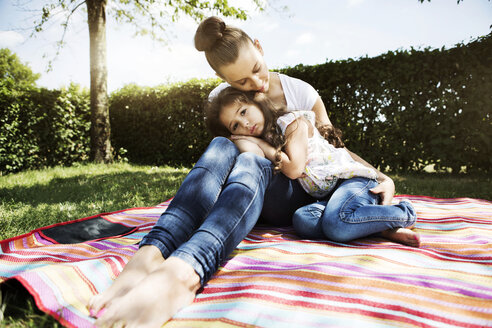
{"x": 275, "y": 279}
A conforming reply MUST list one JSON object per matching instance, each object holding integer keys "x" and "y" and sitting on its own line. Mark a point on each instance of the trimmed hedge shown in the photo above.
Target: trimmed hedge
{"x": 404, "y": 110}
{"x": 161, "y": 125}
{"x": 41, "y": 127}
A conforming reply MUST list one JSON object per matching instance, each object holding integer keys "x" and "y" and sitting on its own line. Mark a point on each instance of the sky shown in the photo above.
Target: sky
{"x": 307, "y": 32}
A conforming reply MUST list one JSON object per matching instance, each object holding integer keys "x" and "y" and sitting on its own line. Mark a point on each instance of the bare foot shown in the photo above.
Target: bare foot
{"x": 154, "y": 300}
{"x": 403, "y": 236}
{"x": 145, "y": 260}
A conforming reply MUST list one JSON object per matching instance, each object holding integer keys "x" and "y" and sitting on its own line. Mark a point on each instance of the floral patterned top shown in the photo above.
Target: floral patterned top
{"x": 325, "y": 163}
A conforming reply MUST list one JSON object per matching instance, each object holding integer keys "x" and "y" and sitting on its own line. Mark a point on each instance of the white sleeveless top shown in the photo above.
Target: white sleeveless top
{"x": 325, "y": 163}
{"x": 299, "y": 95}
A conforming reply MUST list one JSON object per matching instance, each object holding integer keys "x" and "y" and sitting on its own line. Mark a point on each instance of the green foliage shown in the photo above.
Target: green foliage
{"x": 401, "y": 111}
{"x": 148, "y": 17}
{"x": 405, "y": 110}
{"x": 13, "y": 73}
{"x": 162, "y": 125}
{"x": 41, "y": 127}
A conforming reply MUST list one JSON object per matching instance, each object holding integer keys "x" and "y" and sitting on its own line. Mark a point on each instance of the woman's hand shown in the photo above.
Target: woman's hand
{"x": 385, "y": 189}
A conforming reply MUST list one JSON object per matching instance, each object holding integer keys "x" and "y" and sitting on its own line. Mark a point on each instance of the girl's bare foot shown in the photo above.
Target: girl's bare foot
{"x": 403, "y": 236}
{"x": 145, "y": 260}
{"x": 154, "y": 300}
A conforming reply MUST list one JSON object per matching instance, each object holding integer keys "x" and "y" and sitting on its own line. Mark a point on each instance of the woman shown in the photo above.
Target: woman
{"x": 200, "y": 228}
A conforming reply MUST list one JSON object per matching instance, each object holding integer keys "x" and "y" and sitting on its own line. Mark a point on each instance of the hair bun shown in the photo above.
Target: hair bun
{"x": 208, "y": 33}
{"x": 222, "y": 27}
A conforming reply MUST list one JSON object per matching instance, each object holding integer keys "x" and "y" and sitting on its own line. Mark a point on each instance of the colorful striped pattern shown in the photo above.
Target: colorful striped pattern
{"x": 275, "y": 279}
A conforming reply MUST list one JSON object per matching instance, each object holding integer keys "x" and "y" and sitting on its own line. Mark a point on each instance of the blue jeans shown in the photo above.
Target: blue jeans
{"x": 282, "y": 198}
{"x": 217, "y": 205}
{"x": 351, "y": 212}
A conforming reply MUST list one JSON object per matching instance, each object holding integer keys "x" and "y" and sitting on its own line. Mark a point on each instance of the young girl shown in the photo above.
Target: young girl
{"x": 321, "y": 164}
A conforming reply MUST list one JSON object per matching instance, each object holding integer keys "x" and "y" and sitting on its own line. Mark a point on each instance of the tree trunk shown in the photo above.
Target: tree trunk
{"x": 100, "y": 127}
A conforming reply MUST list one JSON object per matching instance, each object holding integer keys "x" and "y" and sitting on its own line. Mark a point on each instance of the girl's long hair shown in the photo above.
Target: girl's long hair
{"x": 271, "y": 131}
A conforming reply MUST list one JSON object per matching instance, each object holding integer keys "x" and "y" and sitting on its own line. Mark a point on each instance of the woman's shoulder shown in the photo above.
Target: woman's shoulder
{"x": 290, "y": 81}
{"x": 217, "y": 90}
{"x": 299, "y": 94}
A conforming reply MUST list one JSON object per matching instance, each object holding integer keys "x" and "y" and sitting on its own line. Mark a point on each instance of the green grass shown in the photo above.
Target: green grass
{"x": 38, "y": 198}
{"x": 33, "y": 199}
{"x": 443, "y": 185}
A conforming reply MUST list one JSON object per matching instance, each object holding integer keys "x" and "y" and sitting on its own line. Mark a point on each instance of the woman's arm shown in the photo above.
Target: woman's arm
{"x": 386, "y": 186}
{"x": 320, "y": 110}
{"x": 293, "y": 159}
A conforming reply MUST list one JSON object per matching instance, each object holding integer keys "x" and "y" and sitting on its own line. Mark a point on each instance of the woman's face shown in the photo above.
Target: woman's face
{"x": 244, "y": 119}
{"x": 249, "y": 72}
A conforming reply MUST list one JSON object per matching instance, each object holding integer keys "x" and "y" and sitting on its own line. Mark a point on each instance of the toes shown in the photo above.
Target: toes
{"x": 108, "y": 318}
{"x": 119, "y": 324}
{"x": 93, "y": 304}
{"x": 413, "y": 240}
{"x": 96, "y": 304}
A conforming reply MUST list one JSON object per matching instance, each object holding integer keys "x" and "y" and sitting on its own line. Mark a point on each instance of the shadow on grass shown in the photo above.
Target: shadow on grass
{"x": 19, "y": 309}
{"x": 89, "y": 188}
{"x": 24, "y": 208}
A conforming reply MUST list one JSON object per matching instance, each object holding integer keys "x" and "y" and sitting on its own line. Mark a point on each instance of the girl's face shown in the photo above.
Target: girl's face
{"x": 243, "y": 119}
{"x": 249, "y": 72}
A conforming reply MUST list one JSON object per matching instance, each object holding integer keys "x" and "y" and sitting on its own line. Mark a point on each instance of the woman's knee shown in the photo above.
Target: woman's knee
{"x": 220, "y": 152}
{"x": 224, "y": 146}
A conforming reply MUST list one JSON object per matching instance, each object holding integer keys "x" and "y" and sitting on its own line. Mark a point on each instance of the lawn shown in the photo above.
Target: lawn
{"x": 33, "y": 199}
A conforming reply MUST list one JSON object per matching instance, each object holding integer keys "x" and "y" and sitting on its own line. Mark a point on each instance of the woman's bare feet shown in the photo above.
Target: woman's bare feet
{"x": 403, "y": 236}
{"x": 154, "y": 300}
{"x": 145, "y": 260}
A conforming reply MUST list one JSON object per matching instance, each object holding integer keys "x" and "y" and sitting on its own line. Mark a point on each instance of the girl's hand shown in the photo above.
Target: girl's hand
{"x": 248, "y": 146}
{"x": 386, "y": 190}
{"x": 254, "y": 140}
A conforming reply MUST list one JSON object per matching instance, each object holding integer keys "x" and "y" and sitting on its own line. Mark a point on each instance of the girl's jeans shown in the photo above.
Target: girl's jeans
{"x": 217, "y": 205}
{"x": 351, "y": 212}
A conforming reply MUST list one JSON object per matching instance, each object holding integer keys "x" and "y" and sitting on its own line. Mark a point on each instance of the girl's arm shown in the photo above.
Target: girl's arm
{"x": 248, "y": 146}
{"x": 386, "y": 186}
{"x": 295, "y": 155}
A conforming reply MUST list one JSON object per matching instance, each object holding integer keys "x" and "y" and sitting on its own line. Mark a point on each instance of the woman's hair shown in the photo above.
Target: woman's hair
{"x": 221, "y": 43}
{"x": 271, "y": 131}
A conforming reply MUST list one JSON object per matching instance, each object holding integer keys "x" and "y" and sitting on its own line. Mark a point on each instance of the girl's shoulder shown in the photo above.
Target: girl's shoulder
{"x": 285, "y": 120}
